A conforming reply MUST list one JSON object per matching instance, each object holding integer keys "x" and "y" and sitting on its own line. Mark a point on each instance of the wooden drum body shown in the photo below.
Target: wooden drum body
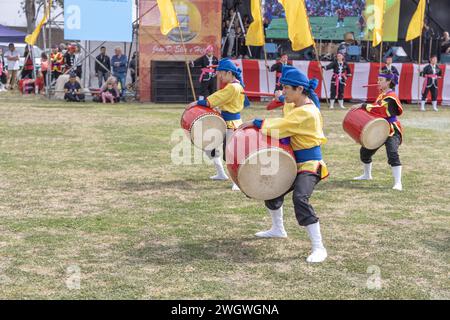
{"x": 366, "y": 129}
{"x": 204, "y": 126}
{"x": 261, "y": 166}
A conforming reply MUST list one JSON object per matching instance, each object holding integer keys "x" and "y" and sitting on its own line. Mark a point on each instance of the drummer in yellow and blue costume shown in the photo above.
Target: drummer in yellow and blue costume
{"x": 230, "y": 100}
{"x": 301, "y": 125}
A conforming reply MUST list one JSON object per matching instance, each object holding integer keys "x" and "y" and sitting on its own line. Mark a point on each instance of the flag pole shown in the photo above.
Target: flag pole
{"x": 265, "y": 53}
{"x": 420, "y": 57}
{"x": 266, "y": 64}
{"x": 317, "y": 58}
{"x": 382, "y": 34}
{"x": 185, "y": 58}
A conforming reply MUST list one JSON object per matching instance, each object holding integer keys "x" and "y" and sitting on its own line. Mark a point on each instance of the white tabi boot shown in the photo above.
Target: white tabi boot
{"x": 235, "y": 187}
{"x": 221, "y": 175}
{"x": 435, "y": 108}
{"x": 422, "y": 105}
{"x": 319, "y": 253}
{"x": 277, "y": 230}
{"x": 341, "y": 104}
{"x": 332, "y": 103}
{"x": 367, "y": 175}
{"x": 397, "y": 173}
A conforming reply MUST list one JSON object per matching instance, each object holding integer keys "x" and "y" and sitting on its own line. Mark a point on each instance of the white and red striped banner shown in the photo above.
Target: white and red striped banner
{"x": 255, "y": 78}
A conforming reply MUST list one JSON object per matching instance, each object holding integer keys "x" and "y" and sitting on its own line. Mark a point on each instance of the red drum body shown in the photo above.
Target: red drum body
{"x": 204, "y": 126}
{"x": 261, "y": 166}
{"x": 366, "y": 129}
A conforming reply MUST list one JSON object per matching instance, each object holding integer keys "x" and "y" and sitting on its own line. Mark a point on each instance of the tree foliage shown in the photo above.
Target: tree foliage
{"x": 31, "y": 8}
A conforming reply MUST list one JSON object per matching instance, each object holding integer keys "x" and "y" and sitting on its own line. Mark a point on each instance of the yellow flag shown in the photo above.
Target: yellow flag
{"x": 416, "y": 24}
{"x": 378, "y": 22}
{"x": 169, "y": 18}
{"x": 32, "y": 38}
{"x": 298, "y": 24}
{"x": 255, "y": 34}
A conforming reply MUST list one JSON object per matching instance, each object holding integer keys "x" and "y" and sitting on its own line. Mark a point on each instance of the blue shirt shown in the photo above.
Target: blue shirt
{"x": 122, "y": 67}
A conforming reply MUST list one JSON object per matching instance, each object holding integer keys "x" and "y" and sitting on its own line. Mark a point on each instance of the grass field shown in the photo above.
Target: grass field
{"x": 91, "y": 207}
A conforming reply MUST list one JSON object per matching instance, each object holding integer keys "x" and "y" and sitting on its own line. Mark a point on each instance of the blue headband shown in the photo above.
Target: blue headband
{"x": 227, "y": 65}
{"x": 293, "y": 77}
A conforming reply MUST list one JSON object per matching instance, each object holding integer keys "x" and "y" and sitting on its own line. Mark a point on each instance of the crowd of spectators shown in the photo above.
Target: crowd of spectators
{"x": 318, "y": 8}
{"x": 66, "y": 59}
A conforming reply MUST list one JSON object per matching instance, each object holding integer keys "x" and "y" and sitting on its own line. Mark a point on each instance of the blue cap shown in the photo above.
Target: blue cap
{"x": 226, "y": 64}
{"x": 293, "y": 77}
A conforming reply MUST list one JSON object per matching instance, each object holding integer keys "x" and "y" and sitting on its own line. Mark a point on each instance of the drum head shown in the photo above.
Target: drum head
{"x": 267, "y": 174}
{"x": 208, "y": 131}
{"x": 375, "y": 133}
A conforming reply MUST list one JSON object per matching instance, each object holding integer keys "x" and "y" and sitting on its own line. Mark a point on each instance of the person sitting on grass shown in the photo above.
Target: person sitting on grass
{"x": 29, "y": 86}
{"x": 110, "y": 92}
{"x": 72, "y": 89}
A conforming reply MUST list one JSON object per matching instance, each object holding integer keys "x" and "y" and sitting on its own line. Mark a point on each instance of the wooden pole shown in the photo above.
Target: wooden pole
{"x": 265, "y": 53}
{"x": 267, "y": 70}
{"x": 381, "y": 55}
{"x": 321, "y": 74}
{"x": 382, "y": 34}
{"x": 418, "y": 69}
{"x": 186, "y": 61}
{"x": 318, "y": 60}
{"x": 420, "y": 58}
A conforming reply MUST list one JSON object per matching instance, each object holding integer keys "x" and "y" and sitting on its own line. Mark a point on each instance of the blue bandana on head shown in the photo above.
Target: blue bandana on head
{"x": 226, "y": 64}
{"x": 293, "y": 77}
{"x": 390, "y": 76}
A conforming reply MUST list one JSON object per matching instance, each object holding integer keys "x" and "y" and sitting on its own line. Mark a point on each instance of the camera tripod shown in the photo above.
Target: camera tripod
{"x": 236, "y": 13}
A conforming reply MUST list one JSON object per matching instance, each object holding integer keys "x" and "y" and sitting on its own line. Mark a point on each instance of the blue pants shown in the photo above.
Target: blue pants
{"x": 121, "y": 77}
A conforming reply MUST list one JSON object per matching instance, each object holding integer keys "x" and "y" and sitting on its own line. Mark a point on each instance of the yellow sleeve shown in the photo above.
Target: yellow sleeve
{"x": 223, "y": 96}
{"x": 294, "y": 123}
{"x": 288, "y": 107}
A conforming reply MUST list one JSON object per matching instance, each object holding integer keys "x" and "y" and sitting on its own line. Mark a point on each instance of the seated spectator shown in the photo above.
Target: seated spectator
{"x": 72, "y": 89}
{"x": 29, "y": 85}
{"x": 110, "y": 92}
{"x": 445, "y": 44}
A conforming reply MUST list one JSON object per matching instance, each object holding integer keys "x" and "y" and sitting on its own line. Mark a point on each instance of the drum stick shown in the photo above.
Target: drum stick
{"x": 370, "y": 85}
{"x": 274, "y": 104}
{"x": 258, "y": 94}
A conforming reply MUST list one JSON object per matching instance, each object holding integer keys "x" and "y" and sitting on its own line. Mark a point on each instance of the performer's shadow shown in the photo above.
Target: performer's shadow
{"x": 236, "y": 250}
{"x": 334, "y": 184}
{"x": 151, "y": 185}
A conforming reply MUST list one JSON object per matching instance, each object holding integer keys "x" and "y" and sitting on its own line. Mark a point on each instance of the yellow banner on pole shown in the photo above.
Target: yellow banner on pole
{"x": 416, "y": 25}
{"x": 378, "y": 22}
{"x": 32, "y": 38}
{"x": 297, "y": 20}
{"x": 255, "y": 33}
{"x": 169, "y": 18}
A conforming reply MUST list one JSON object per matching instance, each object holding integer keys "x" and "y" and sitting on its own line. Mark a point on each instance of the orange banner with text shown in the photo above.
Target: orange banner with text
{"x": 200, "y": 26}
